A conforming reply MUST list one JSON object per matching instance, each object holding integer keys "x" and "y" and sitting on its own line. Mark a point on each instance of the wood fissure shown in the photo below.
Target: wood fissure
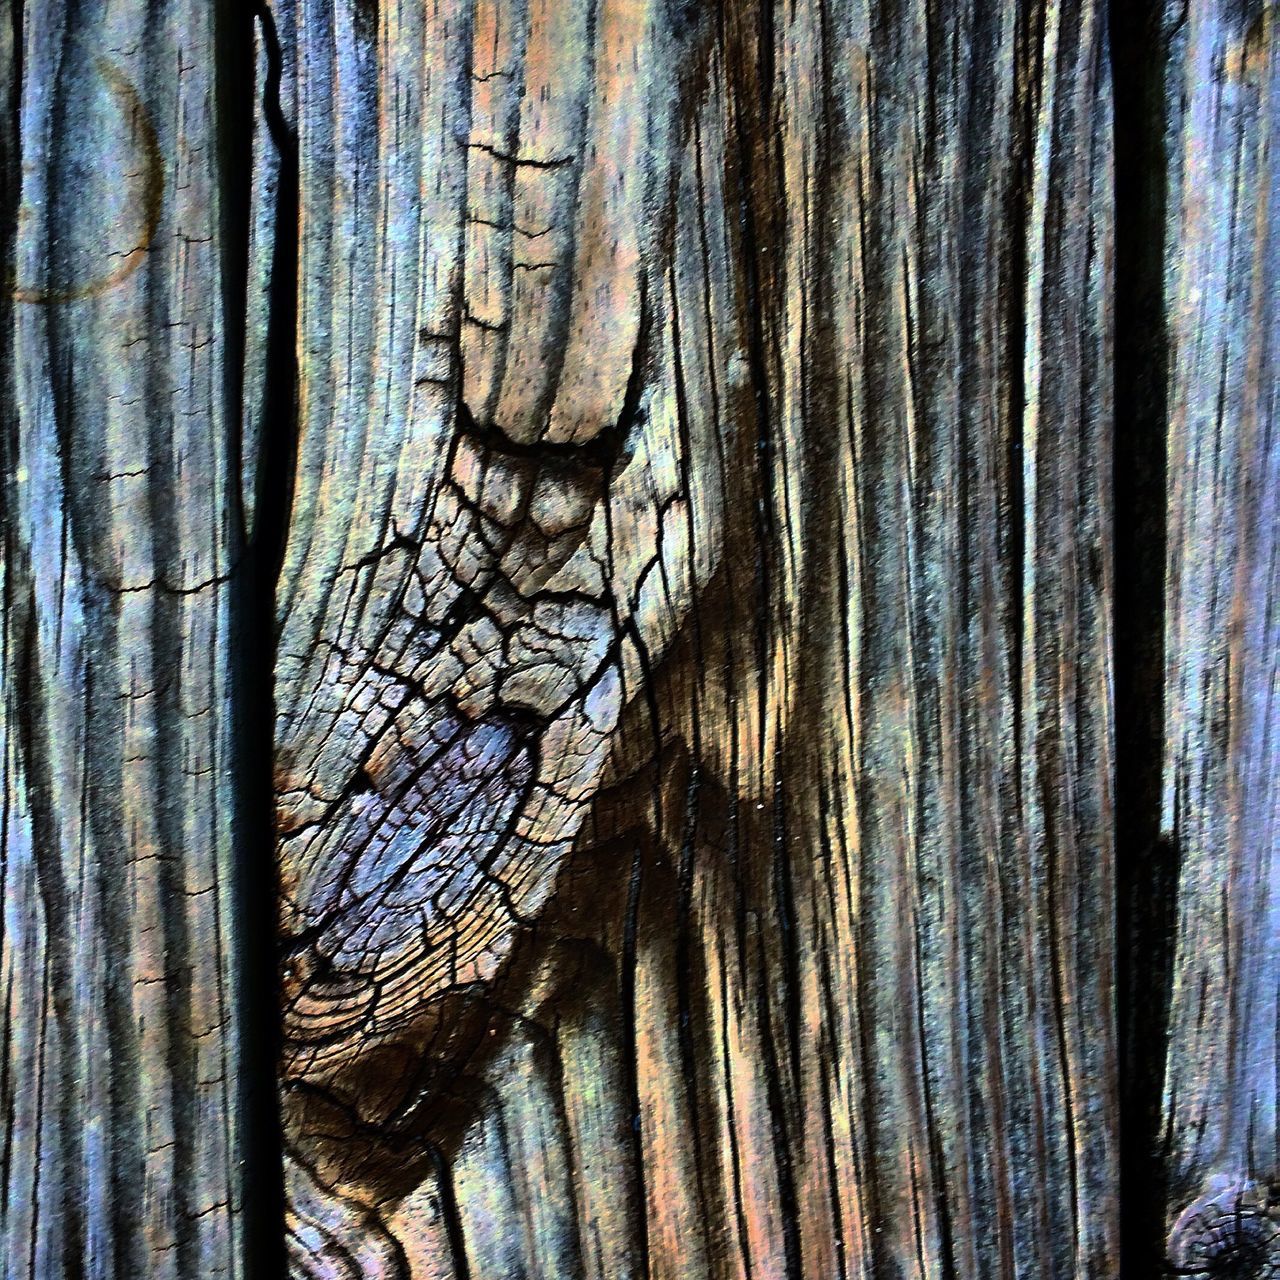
{"x": 1146, "y": 862}
{"x": 264, "y": 226}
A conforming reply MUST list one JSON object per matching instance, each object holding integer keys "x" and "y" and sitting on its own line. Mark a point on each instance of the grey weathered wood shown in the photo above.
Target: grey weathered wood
{"x": 122, "y": 1145}
{"x": 1221, "y": 808}
{"x": 955, "y": 905}
{"x": 693, "y": 639}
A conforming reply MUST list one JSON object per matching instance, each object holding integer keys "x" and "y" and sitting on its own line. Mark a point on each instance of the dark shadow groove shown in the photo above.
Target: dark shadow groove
{"x": 253, "y": 624}
{"x": 1146, "y": 864}
{"x": 451, "y": 1215}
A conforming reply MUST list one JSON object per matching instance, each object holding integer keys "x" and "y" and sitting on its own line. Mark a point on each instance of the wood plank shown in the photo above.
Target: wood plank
{"x": 942, "y": 482}
{"x": 701, "y": 555}
{"x": 1221, "y": 809}
{"x": 121, "y": 534}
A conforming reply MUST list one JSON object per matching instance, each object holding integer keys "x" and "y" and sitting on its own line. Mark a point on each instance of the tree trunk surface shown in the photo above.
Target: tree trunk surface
{"x": 757, "y": 526}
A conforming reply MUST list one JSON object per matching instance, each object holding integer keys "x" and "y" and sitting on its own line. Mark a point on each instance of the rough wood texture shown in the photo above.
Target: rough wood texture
{"x": 121, "y": 1154}
{"x": 694, "y": 718}
{"x": 676, "y": 440}
{"x": 1222, "y": 787}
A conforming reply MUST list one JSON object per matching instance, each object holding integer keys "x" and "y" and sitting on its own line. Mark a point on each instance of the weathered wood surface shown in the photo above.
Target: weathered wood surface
{"x": 684, "y": 437}
{"x": 122, "y": 1145}
{"x": 1221, "y": 807}
{"x": 693, "y": 691}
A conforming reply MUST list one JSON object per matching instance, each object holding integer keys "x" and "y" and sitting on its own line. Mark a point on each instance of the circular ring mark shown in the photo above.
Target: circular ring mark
{"x": 130, "y": 101}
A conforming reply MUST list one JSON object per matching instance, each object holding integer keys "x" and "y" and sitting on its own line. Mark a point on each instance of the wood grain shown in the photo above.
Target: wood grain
{"x": 742, "y": 382}
{"x": 1221, "y": 809}
{"x": 655, "y": 463}
{"x": 121, "y": 1067}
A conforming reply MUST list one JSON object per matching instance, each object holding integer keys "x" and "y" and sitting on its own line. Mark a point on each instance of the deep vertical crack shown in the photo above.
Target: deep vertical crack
{"x": 270, "y": 472}
{"x": 1146, "y": 865}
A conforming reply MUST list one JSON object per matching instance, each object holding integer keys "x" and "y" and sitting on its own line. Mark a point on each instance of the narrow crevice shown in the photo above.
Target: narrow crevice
{"x": 451, "y": 1215}
{"x": 1146, "y": 865}
{"x": 627, "y": 990}
{"x": 273, "y": 445}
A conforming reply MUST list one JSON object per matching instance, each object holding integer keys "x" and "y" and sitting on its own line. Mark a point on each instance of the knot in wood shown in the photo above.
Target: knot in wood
{"x": 1228, "y": 1234}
